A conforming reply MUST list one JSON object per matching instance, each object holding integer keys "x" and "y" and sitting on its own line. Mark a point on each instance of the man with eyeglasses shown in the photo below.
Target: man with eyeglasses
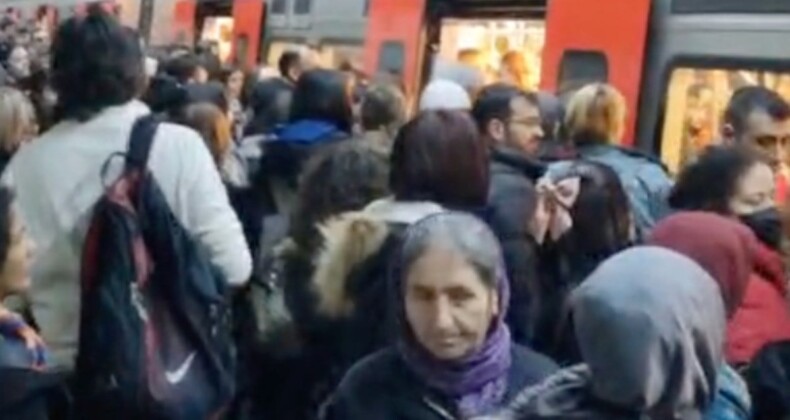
{"x": 510, "y": 121}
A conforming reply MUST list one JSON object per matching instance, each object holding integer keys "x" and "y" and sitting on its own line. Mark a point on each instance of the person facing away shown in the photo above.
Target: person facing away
{"x": 320, "y": 115}
{"x": 509, "y": 121}
{"x": 650, "y": 324}
{"x": 759, "y": 118}
{"x": 214, "y": 127}
{"x": 736, "y": 183}
{"x": 442, "y": 94}
{"x": 27, "y": 380}
{"x": 97, "y": 73}
{"x": 345, "y": 177}
{"x": 187, "y": 69}
{"x": 726, "y": 249}
{"x": 293, "y": 63}
{"x": 582, "y": 217}
{"x": 453, "y": 356}
{"x": 383, "y": 113}
{"x": 595, "y": 123}
{"x": 17, "y": 123}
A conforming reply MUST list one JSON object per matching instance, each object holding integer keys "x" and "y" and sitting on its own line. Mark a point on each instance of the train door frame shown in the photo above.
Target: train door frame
{"x": 704, "y": 39}
{"x": 580, "y": 49}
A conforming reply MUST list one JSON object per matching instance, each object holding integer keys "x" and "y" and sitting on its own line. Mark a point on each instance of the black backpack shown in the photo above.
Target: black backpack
{"x": 155, "y": 334}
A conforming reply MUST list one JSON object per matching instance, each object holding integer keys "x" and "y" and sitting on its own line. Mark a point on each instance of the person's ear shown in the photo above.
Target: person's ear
{"x": 728, "y": 133}
{"x": 496, "y": 130}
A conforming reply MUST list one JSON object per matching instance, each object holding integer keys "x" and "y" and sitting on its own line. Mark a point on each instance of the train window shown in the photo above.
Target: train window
{"x": 391, "y": 57}
{"x": 279, "y": 7}
{"x": 730, "y": 6}
{"x": 507, "y": 50}
{"x": 695, "y": 103}
{"x": 579, "y": 68}
{"x": 302, "y": 7}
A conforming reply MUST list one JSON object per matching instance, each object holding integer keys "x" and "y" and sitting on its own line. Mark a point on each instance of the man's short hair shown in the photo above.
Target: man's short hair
{"x": 493, "y": 102}
{"x": 288, "y": 60}
{"x": 750, "y": 99}
{"x": 96, "y": 63}
{"x": 183, "y": 67}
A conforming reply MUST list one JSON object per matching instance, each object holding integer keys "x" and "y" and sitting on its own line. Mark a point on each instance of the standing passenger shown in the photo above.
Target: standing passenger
{"x": 650, "y": 324}
{"x": 734, "y": 182}
{"x": 438, "y": 161}
{"x": 582, "y": 218}
{"x": 453, "y": 357}
{"x": 759, "y": 118}
{"x": 383, "y": 113}
{"x": 595, "y": 122}
{"x": 320, "y": 115}
{"x": 17, "y": 123}
{"x": 509, "y": 120}
{"x": 26, "y": 380}
{"x": 97, "y": 71}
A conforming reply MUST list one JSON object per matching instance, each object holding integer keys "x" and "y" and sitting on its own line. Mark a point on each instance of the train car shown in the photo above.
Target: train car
{"x": 676, "y": 61}
{"x": 235, "y": 25}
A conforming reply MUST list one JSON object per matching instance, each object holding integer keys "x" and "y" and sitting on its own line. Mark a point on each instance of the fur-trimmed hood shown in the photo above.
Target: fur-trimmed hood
{"x": 351, "y": 239}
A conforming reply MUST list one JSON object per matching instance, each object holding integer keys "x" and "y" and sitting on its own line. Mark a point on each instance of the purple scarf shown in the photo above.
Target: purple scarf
{"x": 476, "y": 383}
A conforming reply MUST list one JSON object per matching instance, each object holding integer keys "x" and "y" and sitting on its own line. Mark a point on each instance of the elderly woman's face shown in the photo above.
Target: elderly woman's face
{"x": 448, "y": 306}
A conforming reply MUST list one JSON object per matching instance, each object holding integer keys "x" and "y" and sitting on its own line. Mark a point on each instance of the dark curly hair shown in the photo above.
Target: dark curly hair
{"x": 710, "y": 182}
{"x": 344, "y": 177}
{"x": 96, "y": 63}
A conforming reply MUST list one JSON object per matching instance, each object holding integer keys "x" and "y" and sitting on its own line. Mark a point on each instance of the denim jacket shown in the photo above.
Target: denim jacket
{"x": 732, "y": 399}
{"x": 645, "y": 180}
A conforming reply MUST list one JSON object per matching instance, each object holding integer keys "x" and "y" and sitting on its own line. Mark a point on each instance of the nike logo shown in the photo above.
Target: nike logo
{"x": 178, "y": 375}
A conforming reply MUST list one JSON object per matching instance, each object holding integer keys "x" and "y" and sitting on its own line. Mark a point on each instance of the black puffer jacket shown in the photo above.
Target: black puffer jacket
{"x": 511, "y": 203}
{"x": 382, "y": 387}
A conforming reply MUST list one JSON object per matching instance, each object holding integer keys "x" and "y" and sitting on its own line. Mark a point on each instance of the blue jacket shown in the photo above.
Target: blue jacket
{"x": 645, "y": 180}
{"x": 732, "y": 399}
{"x": 28, "y": 390}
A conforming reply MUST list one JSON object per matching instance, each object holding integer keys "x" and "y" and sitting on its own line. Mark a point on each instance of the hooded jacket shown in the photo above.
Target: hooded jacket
{"x": 283, "y": 158}
{"x": 338, "y": 300}
{"x": 763, "y": 317}
{"x": 652, "y": 344}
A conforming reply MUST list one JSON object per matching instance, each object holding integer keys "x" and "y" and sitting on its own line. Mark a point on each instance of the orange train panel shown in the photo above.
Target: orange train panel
{"x": 618, "y": 28}
{"x": 184, "y": 21}
{"x": 396, "y": 21}
{"x": 248, "y": 19}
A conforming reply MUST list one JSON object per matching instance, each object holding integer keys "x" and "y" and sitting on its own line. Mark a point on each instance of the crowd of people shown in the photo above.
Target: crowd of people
{"x": 495, "y": 254}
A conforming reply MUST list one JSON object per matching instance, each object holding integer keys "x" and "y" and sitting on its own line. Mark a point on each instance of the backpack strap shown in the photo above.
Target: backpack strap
{"x": 140, "y": 142}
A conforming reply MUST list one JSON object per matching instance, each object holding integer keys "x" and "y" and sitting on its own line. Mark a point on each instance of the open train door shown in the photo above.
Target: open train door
{"x": 248, "y": 21}
{"x": 597, "y": 41}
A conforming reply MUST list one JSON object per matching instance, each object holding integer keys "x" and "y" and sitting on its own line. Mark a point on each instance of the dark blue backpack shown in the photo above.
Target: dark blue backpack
{"x": 155, "y": 333}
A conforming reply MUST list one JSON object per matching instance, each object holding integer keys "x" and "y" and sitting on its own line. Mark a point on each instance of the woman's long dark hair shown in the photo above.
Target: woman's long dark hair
{"x": 323, "y": 95}
{"x": 270, "y": 101}
{"x": 602, "y": 227}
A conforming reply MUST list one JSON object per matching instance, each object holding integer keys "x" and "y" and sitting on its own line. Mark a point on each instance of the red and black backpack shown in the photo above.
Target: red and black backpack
{"x": 155, "y": 334}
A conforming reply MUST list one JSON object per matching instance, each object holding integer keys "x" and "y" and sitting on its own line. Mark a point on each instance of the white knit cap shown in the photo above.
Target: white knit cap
{"x": 444, "y": 95}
